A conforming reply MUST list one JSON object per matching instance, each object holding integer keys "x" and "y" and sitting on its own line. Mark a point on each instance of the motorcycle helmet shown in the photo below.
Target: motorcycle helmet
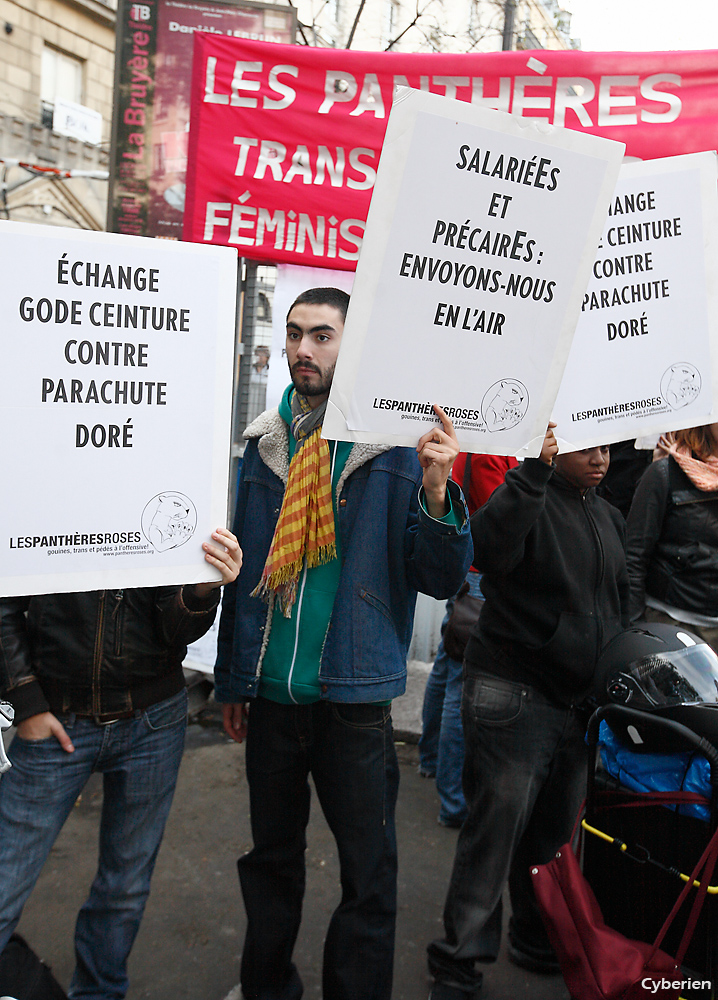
{"x": 663, "y": 669}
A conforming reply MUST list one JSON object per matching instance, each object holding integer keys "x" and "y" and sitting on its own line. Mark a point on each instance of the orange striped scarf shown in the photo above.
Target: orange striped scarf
{"x": 305, "y": 527}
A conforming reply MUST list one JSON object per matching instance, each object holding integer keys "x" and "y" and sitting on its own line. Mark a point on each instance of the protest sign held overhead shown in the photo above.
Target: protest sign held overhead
{"x": 285, "y": 140}
{"x": 115, "y": 408}
{"x": 479, "y": 242}
{"x": 644, "y": 355}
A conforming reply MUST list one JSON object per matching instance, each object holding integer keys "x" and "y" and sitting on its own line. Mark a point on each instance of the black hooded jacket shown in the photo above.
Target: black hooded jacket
{"x": 555, "y": 581}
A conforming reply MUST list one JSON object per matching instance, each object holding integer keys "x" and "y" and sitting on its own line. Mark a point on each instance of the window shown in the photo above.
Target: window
{"x": 264, "y": 309}
{"x": 61, "y": 77}
{"x": 391, "y": 19}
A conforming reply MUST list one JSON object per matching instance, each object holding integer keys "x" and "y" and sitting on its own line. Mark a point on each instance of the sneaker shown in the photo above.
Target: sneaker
{"x": 548, "y": 965}
{"x": 426, "y": 772}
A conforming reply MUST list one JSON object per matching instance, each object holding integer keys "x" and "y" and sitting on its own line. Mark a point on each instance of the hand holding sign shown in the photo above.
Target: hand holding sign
{"x": 225, "y": 556}
{"x": 105, "y": 338}
{"x": 549, "y": 448}
{"x": 437, "y": 450}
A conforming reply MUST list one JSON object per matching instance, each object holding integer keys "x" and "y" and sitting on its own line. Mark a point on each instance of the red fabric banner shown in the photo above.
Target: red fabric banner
{"x": 285, "y": 139}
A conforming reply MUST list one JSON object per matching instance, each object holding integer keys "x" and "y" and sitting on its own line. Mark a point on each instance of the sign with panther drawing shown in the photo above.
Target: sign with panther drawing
{"x": 643, "y": 358}
{"x": 478, "y": 248}
{"x": 115, "y": 408}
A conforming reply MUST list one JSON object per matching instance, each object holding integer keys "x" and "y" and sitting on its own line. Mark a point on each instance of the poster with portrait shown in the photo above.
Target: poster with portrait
{"x": 479, "y": 242}
{"x": 644, "y": 355}
{"x": 115, "y": 408}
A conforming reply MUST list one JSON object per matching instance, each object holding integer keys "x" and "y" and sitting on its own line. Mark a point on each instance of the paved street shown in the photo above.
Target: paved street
{"x": 189, "y": 944}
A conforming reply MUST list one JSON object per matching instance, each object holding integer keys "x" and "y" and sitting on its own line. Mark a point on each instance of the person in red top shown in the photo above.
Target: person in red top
{"x": 441, "y": 747}
{"x": 487, "y": 472}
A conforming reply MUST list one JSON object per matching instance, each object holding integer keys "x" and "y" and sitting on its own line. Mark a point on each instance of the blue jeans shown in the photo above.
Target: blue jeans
{"x": 139, "y": 759}
{"x": 524, "y": 779}
{"x": 349, "y": 751}
{"x": 441, "y": 747}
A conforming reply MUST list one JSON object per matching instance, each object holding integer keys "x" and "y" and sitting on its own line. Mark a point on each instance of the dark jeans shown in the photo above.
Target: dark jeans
{"x": 524, "y": 779}
{"x": 139, "y": 759}
{"x": 349, "y": 751}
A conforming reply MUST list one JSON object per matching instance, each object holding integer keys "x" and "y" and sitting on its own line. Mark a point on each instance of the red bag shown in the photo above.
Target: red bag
{"x": 599, "y": 963}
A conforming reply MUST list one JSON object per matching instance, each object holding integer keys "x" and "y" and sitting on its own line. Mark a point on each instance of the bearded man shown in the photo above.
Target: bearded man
{"x": 337, "y": 540}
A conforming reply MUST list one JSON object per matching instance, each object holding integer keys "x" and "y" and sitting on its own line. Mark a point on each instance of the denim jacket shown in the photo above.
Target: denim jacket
{"x": 390, "y": 549}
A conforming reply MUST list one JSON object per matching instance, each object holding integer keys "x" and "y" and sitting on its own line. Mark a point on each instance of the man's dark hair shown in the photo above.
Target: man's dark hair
{"x": 323, "y": 297}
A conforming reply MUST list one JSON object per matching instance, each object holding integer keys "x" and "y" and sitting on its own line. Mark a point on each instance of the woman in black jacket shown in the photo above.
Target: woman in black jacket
{"x": 556, "y": 592}
{"x": 673, "y": 535}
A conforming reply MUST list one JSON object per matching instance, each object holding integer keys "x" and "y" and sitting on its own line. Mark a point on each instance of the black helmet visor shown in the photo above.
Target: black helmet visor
{"x": 677, "y": 677}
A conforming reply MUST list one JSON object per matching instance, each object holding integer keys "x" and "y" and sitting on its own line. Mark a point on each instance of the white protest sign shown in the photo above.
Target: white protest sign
{"x": 478, "y": 248}
{"x": 642, "y": 361}
{"x": 115, "y": 408}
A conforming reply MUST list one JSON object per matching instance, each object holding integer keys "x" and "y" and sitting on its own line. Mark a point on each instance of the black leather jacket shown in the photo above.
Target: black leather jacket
{"x": 100, "y": 652}
{"x": 673, "y": 542}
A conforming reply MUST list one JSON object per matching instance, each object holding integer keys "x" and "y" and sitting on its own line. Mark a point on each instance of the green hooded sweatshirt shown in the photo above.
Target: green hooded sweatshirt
{"x": 290, "y": 669}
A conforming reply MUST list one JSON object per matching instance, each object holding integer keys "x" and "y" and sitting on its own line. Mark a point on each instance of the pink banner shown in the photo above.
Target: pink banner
{"x": 285, "y": 140}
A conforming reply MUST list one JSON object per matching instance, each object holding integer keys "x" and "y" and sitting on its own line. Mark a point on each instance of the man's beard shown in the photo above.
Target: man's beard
{"x": 313, "y": 387}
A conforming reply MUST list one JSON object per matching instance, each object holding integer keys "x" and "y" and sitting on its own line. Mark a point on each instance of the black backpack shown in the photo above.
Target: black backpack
{"x": 23, "y": 976}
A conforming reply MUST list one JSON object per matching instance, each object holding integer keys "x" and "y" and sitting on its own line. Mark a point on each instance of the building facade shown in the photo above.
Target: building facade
{"x": 57, "y": 77}
{"x": 56, "y": 85}
{"x": 434, "y": 25}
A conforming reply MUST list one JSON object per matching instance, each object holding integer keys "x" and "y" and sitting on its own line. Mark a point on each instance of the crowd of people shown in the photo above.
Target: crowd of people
{"x": 334, "y": 540}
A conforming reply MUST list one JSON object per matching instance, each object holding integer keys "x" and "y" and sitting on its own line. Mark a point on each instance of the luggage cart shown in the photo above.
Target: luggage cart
{"x": 636, "y": 849}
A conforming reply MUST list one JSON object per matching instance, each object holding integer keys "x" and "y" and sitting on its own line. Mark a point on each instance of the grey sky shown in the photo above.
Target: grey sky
{"x": 639, "y": 25}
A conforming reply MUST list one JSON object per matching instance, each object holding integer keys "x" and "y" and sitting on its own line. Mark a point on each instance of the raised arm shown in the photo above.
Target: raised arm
{"x": 437, "y": 543}
{"x": 500, "y": 528}
{"x": 437, "y": 451}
